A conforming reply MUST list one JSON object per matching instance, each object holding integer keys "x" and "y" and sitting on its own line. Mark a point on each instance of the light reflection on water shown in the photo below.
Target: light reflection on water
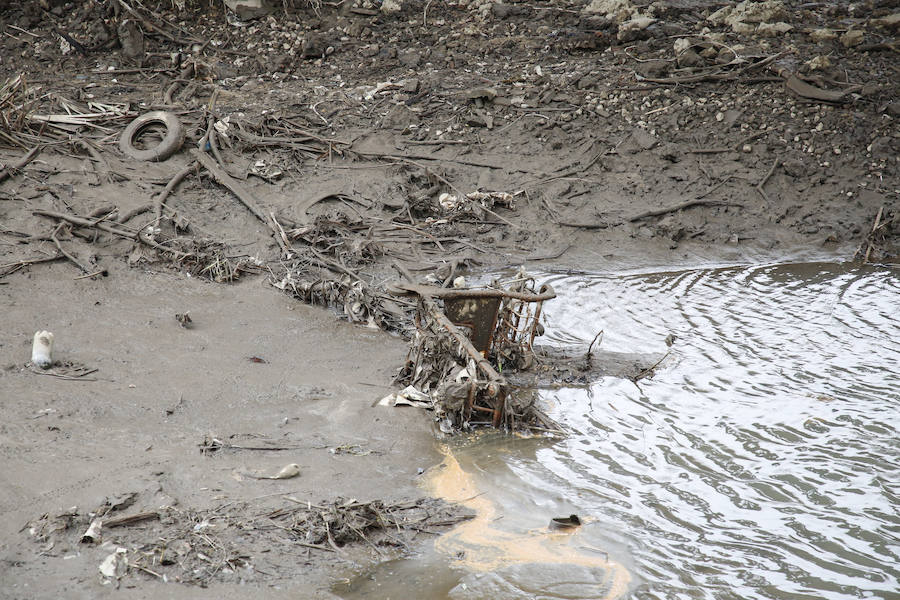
{"x": 760, "y": 461}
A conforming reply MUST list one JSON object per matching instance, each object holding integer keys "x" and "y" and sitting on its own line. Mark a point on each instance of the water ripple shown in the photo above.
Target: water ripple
{"x": 763, "y": 461}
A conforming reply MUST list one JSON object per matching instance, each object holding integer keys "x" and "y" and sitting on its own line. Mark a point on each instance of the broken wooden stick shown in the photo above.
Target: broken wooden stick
{"x": 62, "y": 251}
{"x": 12, "y": 267}
{"x": 241, "y": 193}
{"x": 82, "y": 222}
{"x": 12, "y": 169}
{"x": 762, "y": 183}
{"x": 125, "y": 217}
{"x": 670, "y": 209}
{"x": 599, "y": 336}
{"x": 872, "y": 234}
{"x": 577, "y": 225}
{"x": 245, "y": 196}
{"x": 158, "y": 201}
{"x": 130, "y": 519}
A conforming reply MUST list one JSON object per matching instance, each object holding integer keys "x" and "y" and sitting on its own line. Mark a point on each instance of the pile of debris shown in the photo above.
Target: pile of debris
{"x": 229, "y": 543}
{"x": 450, "y": 365}
{"x": 879, "y": 244}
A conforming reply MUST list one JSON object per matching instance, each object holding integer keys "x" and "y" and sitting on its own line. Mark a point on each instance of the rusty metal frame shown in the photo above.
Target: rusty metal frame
{"x": 487, "y": 393}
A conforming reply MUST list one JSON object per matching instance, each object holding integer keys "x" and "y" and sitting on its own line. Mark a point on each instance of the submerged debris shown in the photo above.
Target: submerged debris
{"x": 455, "y": 348}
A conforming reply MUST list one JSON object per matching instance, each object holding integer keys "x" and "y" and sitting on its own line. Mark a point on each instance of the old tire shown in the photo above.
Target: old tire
{"x": 169, "y": 145}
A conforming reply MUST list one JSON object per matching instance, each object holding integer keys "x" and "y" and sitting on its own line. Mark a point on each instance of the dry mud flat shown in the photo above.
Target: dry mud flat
{"x": 334, "y": 142}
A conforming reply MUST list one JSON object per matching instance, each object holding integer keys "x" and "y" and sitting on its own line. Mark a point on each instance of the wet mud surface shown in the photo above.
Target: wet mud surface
{"x": 358, "y": 134}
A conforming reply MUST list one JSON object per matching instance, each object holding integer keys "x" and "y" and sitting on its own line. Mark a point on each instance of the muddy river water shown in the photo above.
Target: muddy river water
{"x": 762, "y": 460}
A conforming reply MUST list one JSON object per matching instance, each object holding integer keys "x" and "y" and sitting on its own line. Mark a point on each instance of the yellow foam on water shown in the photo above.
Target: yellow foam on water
{"x": 482, "y": 547}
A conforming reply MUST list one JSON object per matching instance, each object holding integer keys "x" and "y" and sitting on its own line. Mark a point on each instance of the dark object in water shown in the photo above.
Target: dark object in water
{"x": 565, "y": 522}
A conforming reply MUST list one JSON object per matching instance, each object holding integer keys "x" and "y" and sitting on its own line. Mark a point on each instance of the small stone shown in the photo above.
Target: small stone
{"x": 852, "y": 38}
{"x": 869, "y": 88}
{"x": 889, "y": 22}
{"x": 247, "y": 10}
{"x": 689, "y": 58}
{"x": 748, "y": 12}
{"x": 720, "y": 116}
{"x": 747, "y": 149}
{"x": 819, "y": 63}
{"x": 837, "y": 150}
{"x": 631, "y": 30}
{"x": 742, "y": 28}
{"x": 314, "y": 46}
{"x": 794, "y": 167}
{"x": 653, "y": 68}
{"x": 486, "y": 93}
{"x": 613, "y": 10}
{"x": 822, "y": 35}
{"x": 410, "y": 58}
{"x": 503, "y": 11}
{"x": 773, "y": 29}
{"x": 681, "y": 44}
{"x": 131, "y": 39}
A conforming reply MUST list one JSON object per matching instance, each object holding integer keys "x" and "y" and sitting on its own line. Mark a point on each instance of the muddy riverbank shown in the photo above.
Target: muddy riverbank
{"x": 358, "y": 135}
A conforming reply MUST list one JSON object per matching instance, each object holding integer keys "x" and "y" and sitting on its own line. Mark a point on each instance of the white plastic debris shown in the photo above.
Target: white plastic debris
{"x": 464, "y": 374}
{"x": 446, "y": 425}
{"x": 448, "y": 201}
{"x": 42, "y": 349}
{"x": 223, "y": 125}
{"x": 115, "y": 565}
{"x": 286, "y": 472}
{"x": 408, "y": 396}
{"x": 490, "y": 199}
{"x": 204, "y": 524}
{"x": 92, "y": 535}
